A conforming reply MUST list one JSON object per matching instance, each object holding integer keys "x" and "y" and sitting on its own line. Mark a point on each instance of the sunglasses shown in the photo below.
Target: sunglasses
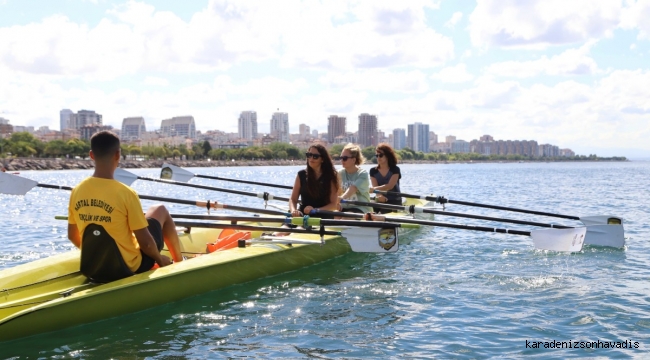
{"x": 345, "y": 158}
{"x": 310, "y": 155}
{"x": 379, "y": 155}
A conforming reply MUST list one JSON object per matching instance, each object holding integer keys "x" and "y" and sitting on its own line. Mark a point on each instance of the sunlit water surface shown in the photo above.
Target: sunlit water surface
{"x": 448, "y": 294}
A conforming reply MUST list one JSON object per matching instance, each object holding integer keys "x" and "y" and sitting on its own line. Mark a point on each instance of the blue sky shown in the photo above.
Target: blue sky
{"x": 569, "y": 73}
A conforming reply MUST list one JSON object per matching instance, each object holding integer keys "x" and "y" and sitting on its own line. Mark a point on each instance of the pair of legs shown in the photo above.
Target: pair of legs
{"x": 160, "y": 213}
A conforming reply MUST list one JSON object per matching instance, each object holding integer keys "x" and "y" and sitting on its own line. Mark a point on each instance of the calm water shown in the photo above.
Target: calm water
{"x": 448, "y": 294}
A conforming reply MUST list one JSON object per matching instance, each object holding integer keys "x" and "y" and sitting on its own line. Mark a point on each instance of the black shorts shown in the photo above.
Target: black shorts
{"x": 156, "y": 232}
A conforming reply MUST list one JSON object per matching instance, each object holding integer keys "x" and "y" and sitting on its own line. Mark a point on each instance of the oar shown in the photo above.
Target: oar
{"x": 418, "y": 209}
{"x": 16, "y": 185}
{"x": 128, "y": 178}
{"x": 564, "y": 240}
{"x": 443, "y": 200}
{"x": 172, "y": 172}
{"x": 305, "y": 221}
{"x": 602, "y": 230}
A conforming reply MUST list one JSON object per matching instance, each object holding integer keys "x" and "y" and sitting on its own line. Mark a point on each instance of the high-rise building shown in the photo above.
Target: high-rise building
{"x": 433, "y": 138}
{"x": 280, "y": 126}
{"x": 182, "y": 126}
{"x": 418, "y": 137}
{"x": 304, "y": 131}
{"x": 64, "y": 118}
{"x": 84, "y": 118}
{"x": 335, "y": 127}
{"x": 133, "y": 128}
{"x": 248, "y": 125}
{"x": 399, "y": 139}
{"x": 367, "y": 130}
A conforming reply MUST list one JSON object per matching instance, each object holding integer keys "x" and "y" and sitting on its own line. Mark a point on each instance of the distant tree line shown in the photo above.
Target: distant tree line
{"x": 24, "y": 144}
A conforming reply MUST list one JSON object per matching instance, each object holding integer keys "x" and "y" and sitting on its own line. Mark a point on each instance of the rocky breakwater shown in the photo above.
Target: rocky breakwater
{"x": 25, "y": 164}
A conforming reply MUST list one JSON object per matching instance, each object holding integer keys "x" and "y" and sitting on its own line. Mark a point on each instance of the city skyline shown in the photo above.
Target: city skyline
{"x": 571, "y": 75}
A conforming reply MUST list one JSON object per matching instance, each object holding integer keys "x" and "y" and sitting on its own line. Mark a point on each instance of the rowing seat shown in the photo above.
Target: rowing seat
{"x": 227, "y": 239}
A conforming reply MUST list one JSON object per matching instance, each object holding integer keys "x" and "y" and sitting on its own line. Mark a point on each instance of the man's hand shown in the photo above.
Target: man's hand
{"x": 164, "y": 261}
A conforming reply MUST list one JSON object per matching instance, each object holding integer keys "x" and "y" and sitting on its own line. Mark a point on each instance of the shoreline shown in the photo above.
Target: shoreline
{"x": 26, "y": 164}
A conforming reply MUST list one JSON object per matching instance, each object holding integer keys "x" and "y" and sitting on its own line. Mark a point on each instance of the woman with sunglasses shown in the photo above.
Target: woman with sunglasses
{"x": 354, "y": 180}
{"x": 317, "y": 186}
{"x": 385, "y": 176}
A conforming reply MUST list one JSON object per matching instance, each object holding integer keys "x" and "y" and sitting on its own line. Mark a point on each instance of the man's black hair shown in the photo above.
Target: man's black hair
{"x": 104, "y": 144}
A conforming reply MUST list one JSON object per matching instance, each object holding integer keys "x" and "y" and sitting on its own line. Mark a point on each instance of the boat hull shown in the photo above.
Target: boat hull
{"x": 51, "y": 294}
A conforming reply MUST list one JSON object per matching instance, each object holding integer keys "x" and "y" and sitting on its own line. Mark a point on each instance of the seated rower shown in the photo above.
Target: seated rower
{"x": 385, "y": 176}
{"x": 105, "y": 220}
{"x": 316, "y": 186}
{"x": 354, "y": 180}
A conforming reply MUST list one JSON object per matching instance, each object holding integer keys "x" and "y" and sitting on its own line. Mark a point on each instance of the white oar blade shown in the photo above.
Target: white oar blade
{"x": 171, "y": 172}
{"x": 375, "y": 240}
{"x": 605, "y": 235}
{"x": 125, "y": 177}
{"x": 565, "y": 240}
{"x": 15, "y": 185}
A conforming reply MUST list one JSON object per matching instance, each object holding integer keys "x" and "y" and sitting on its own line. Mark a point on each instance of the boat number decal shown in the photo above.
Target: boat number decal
{"x": 387, "y": 238}
{"x": 575, "y": 237}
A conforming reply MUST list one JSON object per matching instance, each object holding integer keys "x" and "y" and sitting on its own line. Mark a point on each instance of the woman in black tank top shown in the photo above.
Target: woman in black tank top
{"x": 317, "y": 186}
{"x": 386, "y": 176}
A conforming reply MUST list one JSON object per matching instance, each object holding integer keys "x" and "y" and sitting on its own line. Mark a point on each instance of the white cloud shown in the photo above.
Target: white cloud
{"x": 455, "y": 18}
{"x": 135, "y": 37}
{"x": 570, "y": 62}
{"x": 156, "y": 81}
{"x": 377, "y": 80}
{"x": 540, "y": 23}
{"x": 453, "y": 74}
{"x": 636, "y": 15}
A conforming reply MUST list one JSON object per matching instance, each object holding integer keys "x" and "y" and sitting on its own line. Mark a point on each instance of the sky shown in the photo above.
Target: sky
{"x": 575, "y": 74}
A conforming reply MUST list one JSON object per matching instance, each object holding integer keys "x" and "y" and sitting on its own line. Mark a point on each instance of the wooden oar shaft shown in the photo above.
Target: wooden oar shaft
{"x": 443, "y": 200}
{"x": 265, "y": 196}
{"x": 447, "y": 213}
{"x": 244, "y": 181}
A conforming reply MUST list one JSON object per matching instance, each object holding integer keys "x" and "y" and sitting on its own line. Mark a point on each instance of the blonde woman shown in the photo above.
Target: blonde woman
{"x": 354, "y": 180}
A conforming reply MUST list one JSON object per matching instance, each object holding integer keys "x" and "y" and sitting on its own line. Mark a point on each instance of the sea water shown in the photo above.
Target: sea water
{"x": 447, "y": 294}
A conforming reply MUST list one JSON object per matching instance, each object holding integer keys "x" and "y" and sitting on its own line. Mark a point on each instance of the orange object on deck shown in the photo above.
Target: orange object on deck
{"x": 227, "y": 240}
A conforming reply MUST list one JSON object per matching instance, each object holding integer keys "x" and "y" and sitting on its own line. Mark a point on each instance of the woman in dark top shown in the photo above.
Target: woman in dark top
{"x": 385, "y": 176}
{"x": 317, "y": 186}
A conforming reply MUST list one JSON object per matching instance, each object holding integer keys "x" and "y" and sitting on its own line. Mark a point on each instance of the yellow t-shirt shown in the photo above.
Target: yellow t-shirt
{"x": 114, "y": 206}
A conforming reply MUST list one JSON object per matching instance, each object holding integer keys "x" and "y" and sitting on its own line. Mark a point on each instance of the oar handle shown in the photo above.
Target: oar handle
{"x": 244, "y": 181}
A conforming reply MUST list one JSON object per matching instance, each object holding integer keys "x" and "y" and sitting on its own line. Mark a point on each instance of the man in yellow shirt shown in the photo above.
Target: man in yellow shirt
{"x": 106, "y": 222}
